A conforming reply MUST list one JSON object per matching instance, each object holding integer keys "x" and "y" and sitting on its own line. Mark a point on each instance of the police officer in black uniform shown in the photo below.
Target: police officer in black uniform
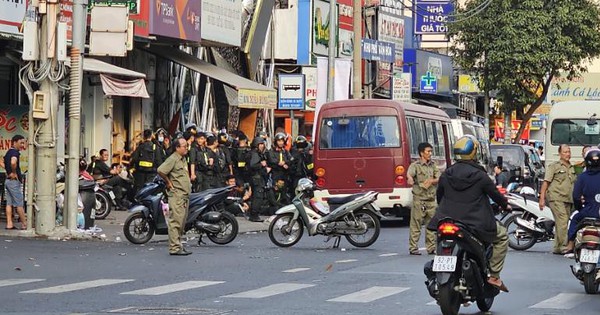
{"x": 145, "y": 160}
{"x": 279, "y": 159}
{"x": 225, "y": 142}
{"x": 240, "y": 153}
{"x": 197, "y": 154}
{"x": 259, "y": 172}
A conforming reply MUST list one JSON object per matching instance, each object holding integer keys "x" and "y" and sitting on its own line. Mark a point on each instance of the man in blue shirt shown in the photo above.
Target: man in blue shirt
{"x": 13, "y": 183}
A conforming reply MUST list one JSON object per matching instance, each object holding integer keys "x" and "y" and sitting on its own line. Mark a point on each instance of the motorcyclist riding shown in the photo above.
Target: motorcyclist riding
{"x": 463, "y": 194}
{"x": 588, "y": 187}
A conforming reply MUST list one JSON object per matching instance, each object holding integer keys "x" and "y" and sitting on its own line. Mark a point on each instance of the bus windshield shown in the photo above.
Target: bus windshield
{"x": 574, "y": 132}
{"x": 359, "y": 132}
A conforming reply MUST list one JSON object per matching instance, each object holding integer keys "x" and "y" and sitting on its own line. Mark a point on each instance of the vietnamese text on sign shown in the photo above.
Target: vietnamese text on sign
{"x": 378, "y": 50}
{"x": 432, "y": 18}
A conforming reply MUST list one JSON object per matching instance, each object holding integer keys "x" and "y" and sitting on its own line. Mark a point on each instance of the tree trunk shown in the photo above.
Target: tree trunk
{"x": 507, "y": 117}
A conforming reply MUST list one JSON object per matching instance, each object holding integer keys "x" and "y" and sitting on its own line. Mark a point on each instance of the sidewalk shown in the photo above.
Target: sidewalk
{"x": 112, "y": 229}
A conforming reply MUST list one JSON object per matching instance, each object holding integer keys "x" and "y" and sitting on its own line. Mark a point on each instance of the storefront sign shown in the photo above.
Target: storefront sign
{"x": 320, "y": 29}
{"x": 391, "y": 29}
{"x": 310, "y": 82}
{"x": 257, "y": 99}
{"x": 14, "y": 120}
{"x": 222, "y": 21}
{"x": 402, "y": 87}
{"x": 11, "y": 16}
{"x": 291, "y": 91}
{"x": 428, "y": 83}
{"x": 133, "y": 5}
{"x": 585, "y": 87}
{"x": 468, "y": 84}
{"x": 178, "y": 19}
{"x": 432, "y": 17}
{"x": 515, "y": 125}
{"x": 376, "y": 50}
{"x": 440, "y": 66}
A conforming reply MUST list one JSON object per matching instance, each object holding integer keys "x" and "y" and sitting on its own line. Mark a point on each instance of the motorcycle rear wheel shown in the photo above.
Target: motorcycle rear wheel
{"x": 281, "y": 222}
{"x": 103, "y": 205}
{"x": 372, "y": 222}
{"x": 589, "y": 283}
{"x": 228, "y": 230}
{"x": 513, "y": 241}
{"x": 143, "y": 229}
{"x": 449, "y": 299}
{"x": 485, "y": 304}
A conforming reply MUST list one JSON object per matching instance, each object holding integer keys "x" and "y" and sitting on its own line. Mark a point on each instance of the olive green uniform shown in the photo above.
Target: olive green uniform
{"x": 176, "y": 169}
{"x": 424, "y": 204}
{"x": 561, "y": 179}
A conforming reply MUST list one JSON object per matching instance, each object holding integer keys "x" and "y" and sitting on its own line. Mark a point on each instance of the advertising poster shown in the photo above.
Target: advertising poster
{"x": 310, "y": 82}
{"x": 402, "y": 87}
{"x": 176, "y": 19}
{"x": 320, "y": 32}
{"x": 390, "y": 28}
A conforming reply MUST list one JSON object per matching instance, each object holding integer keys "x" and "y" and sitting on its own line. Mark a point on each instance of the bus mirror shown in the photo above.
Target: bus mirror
{"x": 343, "y": 121}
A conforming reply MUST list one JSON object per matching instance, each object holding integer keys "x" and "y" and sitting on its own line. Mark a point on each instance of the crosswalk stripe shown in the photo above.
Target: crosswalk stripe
{"x": 388, "y": 255}
{"x": 8, "y": 282}
{"x": 563, "y": 301}
{"x": 296, "y": 270}
{"x": 270, "y": 290}
{"x": 369, "y": 295}
{"x": 173, "y": 288}
{"x": 434, "y": 302}
{"x": 78, "y": 286}
{"x": 345, "y": 261}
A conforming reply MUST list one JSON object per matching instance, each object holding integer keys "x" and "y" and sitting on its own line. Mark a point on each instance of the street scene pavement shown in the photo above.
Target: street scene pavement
{"x": 253, "y": 276}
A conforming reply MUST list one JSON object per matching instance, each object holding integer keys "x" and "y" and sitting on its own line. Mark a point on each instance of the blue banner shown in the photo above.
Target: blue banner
{"x": 378, "y": 50}
{"x": 432, "y": 17}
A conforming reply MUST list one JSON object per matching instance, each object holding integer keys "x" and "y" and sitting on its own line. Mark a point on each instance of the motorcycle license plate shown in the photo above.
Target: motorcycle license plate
{"x": 444, "y": 263}
{"x": 589, "y": 256}
{"x": 111, "y": 194}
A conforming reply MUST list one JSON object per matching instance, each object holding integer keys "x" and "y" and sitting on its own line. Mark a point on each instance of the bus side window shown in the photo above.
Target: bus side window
{"x": 417, "y": 135}
{"x": 438, "y": 136}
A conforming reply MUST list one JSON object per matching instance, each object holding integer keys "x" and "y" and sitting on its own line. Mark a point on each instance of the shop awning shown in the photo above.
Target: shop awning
{"x": 97, "y": 66}
{"x": 250, "y": 94}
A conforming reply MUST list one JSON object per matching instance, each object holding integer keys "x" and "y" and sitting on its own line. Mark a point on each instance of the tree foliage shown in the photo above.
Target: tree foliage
{"x": 518, "y": 46}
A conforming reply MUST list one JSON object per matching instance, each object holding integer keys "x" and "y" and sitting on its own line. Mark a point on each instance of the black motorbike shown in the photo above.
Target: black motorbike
{"x": 458, "y": 273}
{"x": 205, "y": 215}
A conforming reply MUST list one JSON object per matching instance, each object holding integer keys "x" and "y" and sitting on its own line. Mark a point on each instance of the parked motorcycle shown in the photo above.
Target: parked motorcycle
{"x": 527, "y": 225}
{"x": 458, "y": 273}
{"x": 356, "y": 218}
{"x": 106, "y": 200}
{"x": 587, "y": 254}
{"x": 205, "y": 215}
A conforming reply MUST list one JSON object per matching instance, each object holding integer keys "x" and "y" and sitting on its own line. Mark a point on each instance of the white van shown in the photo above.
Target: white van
{"x": 574, "y": 123}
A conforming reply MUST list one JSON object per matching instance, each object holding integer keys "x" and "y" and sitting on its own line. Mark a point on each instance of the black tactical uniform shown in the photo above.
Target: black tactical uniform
{"x": 258, "y": 174}
{"x": 145, "y": 159}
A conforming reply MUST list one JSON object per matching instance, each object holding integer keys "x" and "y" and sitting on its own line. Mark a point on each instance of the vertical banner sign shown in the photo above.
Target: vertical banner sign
{"x": 346, "y": 35}
{"x": 432, "y": 17}
{"x": 321, "y": 27}
{"x": 402, "y": 87}
{"x": 390, "y": 28}
{"x": 291, "y": 91}
{"x": 310, "y": 82}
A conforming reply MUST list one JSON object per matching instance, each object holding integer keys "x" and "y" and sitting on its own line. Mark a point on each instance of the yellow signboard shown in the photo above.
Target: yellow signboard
{"x": 468, "y": 84}
{"x": 257, "y": 99}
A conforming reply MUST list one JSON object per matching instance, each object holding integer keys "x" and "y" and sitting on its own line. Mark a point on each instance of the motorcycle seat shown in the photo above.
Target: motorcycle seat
{"x": 343, "y": 200}
{"x": 196, "y": 198}
{"x": 588, "y": 221}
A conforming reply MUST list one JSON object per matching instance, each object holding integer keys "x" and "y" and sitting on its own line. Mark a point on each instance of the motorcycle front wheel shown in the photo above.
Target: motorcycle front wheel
{"x": 371, "y": 234}
{"x": 138, "y": 229}
{"x": 284, "y": 233}
{"x": 589, "y": 283}
{"x": 449, "y": 299}
{"x": 523, "y": 242}
{"x": 103, "y": 205}
{"x": 228, "y": 230}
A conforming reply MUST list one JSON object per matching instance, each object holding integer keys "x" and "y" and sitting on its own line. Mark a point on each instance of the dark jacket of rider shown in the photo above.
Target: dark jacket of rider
{"x": 463, "y": 194}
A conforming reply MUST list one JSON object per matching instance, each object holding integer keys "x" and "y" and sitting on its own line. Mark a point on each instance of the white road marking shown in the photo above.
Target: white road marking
{"x": 79, "y": 286}
{"x": 274, "y": 289}
{"x": 388, "y": 255}
{"x": 296, "y": 270}
{"x": 173, "y": 288}
{"x": 7, "y": 282}
{"x": 434, "y": 302}
{"x": 345, "y": 261}
{"x": 563, "y": 301}
{"x": 369, "y": 295}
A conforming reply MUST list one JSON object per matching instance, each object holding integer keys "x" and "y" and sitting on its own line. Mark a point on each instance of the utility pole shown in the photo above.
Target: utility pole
{"x": 76, "y": 74}
{"x": 356, "y": 55}
{"x": 332, "y": 49}
{"x": 45, "y": 171}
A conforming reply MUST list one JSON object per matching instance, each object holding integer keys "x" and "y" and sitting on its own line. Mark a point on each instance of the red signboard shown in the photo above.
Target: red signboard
{"x": 515, "y": 125}
{"x": 141, "y": 20}
{"x": 345, "y": 14}
{"x": 66, "y": 16}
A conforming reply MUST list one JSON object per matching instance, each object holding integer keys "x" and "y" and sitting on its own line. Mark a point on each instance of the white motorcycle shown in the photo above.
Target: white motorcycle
{"x": 527, "y": 225}
{"x": 356, "y": 218}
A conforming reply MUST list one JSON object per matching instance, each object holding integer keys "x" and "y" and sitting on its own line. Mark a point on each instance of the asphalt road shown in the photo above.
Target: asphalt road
{"x": 252, "y": 276}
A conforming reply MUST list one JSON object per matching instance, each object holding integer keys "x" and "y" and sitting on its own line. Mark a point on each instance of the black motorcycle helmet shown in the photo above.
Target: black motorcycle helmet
{"x": 280, "y": 136}
{"x": 301, "y": 142}
{"x": 592, "y": 159}
{"x": 257, "y": 141}
{"x": 223, "y": 138}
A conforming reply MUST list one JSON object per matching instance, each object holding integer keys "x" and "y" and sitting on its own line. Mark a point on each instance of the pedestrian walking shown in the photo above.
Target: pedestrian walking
{"x": 558, "y": 188}
{"x": 174, "y": 171}
{"x": 14, "y": 182}
{"x": 423, "y": 175}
